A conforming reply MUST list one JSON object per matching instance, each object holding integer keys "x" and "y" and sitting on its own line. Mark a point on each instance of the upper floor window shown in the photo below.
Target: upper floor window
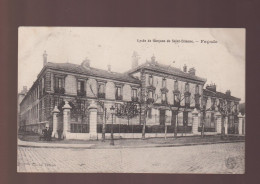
{"x": 163, "y": 98}
{"x": 164, "y": 83}
{"x": 176, "y": 99}
{"x": 150, "y": 80}
{"x": 119, "y": 93}
{"x": 187, "y": 87}
{"x": 58, "y": 82}
{"x": 175, "y": 85}
{"x": 197, "y": 100}
{"x": 134, "y": 93}
{"x": 204, "y": 102}
{"x": 59, "y": 85}
{"x": 150, "y": 94}
{"x": 81, "y": 85}
{"x": 81, "y": 88}
{"x": 101, "y": 90}
{"x": 187, "y": 99}
{"x": 197, "y": 89}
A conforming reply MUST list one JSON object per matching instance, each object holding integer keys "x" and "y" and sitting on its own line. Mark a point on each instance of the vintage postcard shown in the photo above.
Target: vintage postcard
{"x": 131, "y": 100}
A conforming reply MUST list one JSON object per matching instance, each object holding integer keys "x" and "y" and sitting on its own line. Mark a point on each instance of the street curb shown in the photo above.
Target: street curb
{"x": 92, "y": 146}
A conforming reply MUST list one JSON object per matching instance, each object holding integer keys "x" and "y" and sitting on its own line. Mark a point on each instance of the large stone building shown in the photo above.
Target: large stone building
{"x": 163, "y": 96}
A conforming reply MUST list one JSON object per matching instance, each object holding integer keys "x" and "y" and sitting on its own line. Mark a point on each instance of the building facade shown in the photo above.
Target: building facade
{"x": 161, "y": 96}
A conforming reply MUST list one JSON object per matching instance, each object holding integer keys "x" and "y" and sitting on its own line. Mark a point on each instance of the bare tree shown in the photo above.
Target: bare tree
{"x": 225, "y": 110}
{"x": 106, "y": 114}
{"x": 178, "y": 98}
{"x": 148, "y": 100}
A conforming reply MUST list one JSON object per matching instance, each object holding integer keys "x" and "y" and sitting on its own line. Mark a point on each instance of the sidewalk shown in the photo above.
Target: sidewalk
{"x": 134, "y": 143}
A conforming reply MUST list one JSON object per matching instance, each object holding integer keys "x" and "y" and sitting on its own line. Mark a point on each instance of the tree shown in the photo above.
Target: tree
{"x": 148, "y": 100}
{"x": 179, "y": 97}
{"x": 225, "y": 109}
{"x": 128, "y": 110}
{"x": 105, "y": 114}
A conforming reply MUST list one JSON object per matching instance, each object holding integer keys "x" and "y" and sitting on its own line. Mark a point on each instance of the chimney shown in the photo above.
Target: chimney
{"x": 212, "y": 87}
{"x": 109, "y": 68}
{"x": 135, "y": 59}
{"x": 44, "y": 58}
{"x": 86, "y": 63}
{"x": 228, "y": 93}
{"x": 192, "y": 71}
{"x": 185, "y": 68}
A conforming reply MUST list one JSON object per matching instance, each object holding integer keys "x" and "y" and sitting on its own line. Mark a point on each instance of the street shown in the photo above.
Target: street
{"x": 214, "y": 158}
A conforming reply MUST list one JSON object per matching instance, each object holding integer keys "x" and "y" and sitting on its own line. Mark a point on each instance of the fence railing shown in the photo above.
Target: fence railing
{"x": 79, "y": 128}
{"x": 138, "y": 128}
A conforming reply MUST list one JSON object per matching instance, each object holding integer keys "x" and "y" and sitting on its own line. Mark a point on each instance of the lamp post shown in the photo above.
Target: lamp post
{"x": 112, "y": 109}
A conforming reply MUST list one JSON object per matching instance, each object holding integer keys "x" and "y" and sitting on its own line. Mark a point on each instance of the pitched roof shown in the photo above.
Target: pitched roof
{"x": 166, "y": 69}
{"x": 79, "y": 69}
{"x": 218, "y": 94}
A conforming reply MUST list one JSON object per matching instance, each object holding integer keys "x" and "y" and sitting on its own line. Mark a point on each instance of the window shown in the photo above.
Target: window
{"x": 150, "y": 80}
{"x": 197, "y": 102}
{"x": 118, "y": 93}
{"x": 163, "y": 98}
{"x": 187, "y": 99}
{"x": 187, "y": 87}
{"x": 176, "y": 85}
{"x": 59, "y": 85}
{"x": 176, "y": 99}
{"x": 58, "y": 82}
{"x": 134, "y": 93}
{"x": 149, "y": 113}
{"x": 197, "y": 89}
{"x": 150, "y": 95}
{"x": 204, "y": 102}
{"x": 101, "y": 88}
{"x": 164, "y": 83}
{"x": 213, "y": 100}
{"x": 81, "y": 86}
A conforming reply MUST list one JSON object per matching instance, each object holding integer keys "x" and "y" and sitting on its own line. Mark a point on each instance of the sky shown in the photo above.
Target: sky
{"x": 218, "y": 54}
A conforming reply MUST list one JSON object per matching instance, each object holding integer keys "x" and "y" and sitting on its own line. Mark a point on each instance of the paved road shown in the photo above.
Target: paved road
{"x": 215, "y": 158}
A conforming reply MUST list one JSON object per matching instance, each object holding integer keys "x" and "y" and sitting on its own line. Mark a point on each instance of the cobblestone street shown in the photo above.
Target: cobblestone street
{"x": 215, "y": 158}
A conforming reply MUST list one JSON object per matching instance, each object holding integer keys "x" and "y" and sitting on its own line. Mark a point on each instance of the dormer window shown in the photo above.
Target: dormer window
{"x": 187, "y": 87}
{"x": 150, "y": 80}
{"x": 176, "y": 85}
{"x": 164, "y": 83}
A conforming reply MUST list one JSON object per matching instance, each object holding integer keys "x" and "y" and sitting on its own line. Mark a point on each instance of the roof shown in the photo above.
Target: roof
{"x": 218, "y": 94}
{"x": 166, "y": 69}
{"x": 79, "y": 69}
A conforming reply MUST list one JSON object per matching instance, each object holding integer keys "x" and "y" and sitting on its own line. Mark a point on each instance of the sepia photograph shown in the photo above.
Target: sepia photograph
{"x": 131, "y": 100}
